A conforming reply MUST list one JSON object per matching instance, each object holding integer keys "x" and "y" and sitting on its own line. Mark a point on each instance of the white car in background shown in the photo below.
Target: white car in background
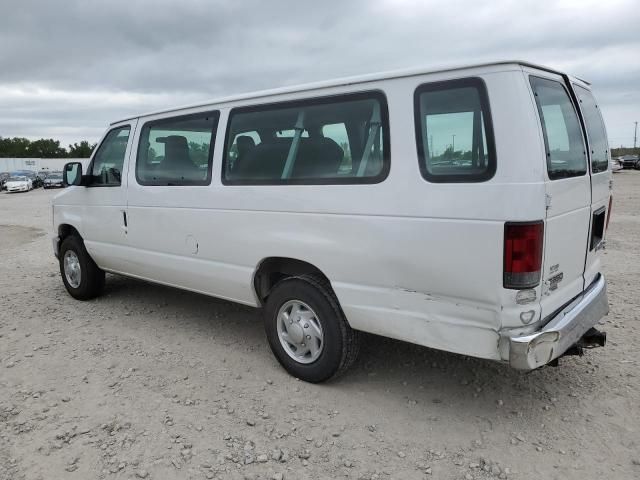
{"x": 18, "y": 184}
{"x": 616, "y": 165}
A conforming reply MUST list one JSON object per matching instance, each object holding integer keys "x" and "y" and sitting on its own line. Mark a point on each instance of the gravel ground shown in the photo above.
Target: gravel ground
{"x": 150, "y": 382}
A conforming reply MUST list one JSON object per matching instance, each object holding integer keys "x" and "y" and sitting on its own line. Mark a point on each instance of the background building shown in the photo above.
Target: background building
{"x": 38, "y": 164}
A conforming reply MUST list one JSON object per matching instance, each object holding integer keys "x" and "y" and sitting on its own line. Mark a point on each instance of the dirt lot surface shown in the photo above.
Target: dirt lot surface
{"x": 150, "y": 382}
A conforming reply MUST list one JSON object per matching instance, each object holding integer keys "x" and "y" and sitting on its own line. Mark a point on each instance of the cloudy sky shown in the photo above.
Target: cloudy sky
{"x": 68, "y": 68}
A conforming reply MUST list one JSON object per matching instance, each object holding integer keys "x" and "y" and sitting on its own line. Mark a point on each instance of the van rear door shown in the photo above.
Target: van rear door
{"x": 600, "y": 179}
{"x": 568, "y": 192}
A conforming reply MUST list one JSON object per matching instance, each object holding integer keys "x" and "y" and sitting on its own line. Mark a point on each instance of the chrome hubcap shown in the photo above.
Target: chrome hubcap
{"x": 72, "y": 268}
{"x": 300, "y": 331}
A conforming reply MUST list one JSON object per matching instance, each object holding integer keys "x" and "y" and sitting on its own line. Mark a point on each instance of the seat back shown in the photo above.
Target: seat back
{"x": 316, "y": 158}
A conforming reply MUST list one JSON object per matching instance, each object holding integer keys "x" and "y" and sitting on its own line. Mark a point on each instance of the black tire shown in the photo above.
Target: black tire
{"x": 92, "y": 277}
{"x": 341, "y": 343}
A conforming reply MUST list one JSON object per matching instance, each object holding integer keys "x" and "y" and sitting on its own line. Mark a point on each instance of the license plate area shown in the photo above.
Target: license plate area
{"x": 597, "y": 228}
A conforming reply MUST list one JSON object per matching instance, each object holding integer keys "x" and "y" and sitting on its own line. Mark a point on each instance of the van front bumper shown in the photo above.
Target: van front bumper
{"x": 565, "y": 329}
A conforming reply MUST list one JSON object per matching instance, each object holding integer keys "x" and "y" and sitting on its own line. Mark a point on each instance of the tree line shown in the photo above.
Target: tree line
{"x": 44, "y": 148}
{"x": 618, "y": 152}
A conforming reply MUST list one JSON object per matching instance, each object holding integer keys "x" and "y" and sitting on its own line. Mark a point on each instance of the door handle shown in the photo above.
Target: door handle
{"x": 124, "y": 221}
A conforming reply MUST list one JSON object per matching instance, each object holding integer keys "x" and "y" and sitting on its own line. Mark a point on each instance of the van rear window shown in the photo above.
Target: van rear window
{"x": 595, "y": 130}
{"x": 561, "y": 129}
{"x": 334, "y": 140}
{"x": 454, "y": 131}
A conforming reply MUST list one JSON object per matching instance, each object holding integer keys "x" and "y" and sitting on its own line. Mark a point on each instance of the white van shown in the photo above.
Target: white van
{"x": 462, "y": 209}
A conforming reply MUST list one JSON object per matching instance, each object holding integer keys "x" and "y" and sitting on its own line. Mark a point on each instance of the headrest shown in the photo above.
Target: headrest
{"x": 176, "y": 148}
{"x": 245, "y": 142}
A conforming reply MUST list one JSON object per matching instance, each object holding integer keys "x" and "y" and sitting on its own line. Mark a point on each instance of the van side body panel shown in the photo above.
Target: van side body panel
{"x": 408, "y": 259}
{"x": 384, "y": 253}
{"x": 97, "y": 212}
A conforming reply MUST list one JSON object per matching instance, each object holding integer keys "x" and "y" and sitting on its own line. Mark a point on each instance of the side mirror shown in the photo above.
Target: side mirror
{"x": 72, "y": 174}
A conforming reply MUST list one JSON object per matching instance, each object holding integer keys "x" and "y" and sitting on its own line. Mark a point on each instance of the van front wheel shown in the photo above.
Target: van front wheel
{"x": 82, "y": 278}
{"x": 307, "y": 331}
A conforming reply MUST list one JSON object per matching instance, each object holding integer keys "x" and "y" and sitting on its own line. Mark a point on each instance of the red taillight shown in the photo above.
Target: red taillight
{"x": 522, "y": 254}
{"x": 609, "y": 213}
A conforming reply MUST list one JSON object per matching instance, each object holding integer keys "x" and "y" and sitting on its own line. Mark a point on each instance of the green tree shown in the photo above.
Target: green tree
{"x": 14, "y": 147}
{"x": 199, "y": 153}
{"x": 46, "y": 148}
{"x": 81, "y": 150}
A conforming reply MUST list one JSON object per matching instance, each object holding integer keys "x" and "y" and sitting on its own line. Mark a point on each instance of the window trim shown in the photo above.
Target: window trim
{"x": 492, "y": 162}
{"x": 190, "y": 183}
{"x": 378, "y": 95}
{"x": 575, "y": 87}
{"x": 89, "y": 174}
{"x": 542, "y": 125}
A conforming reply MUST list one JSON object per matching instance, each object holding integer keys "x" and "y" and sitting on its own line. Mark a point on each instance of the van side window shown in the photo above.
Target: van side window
{"x": 454, "y": 132}
{"x": 106, "y": 168}
{"x": 561, "y": 129}
{"x": 334, "y": 140}
{"x": 177, "y": 151}
{"x": 241, "y": 144}
{"x": 338, "y": 133}
{"x": 595, "y": 130}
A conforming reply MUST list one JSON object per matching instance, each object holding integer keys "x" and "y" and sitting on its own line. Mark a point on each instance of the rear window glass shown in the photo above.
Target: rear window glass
{"x": 454, "y": 132}
{"x": 561, "y": 129}
{"x": 177, "y": 151}
{"x": 595, "y": 130}
{"x": 335, "y": 140}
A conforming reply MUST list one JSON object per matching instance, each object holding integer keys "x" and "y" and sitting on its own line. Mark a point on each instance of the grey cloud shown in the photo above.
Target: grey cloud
{"x": 155, "y": 54}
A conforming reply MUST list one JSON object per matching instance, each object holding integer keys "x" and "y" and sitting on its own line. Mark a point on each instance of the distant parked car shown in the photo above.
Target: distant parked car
{"x": 43, "y": 174}
{"x": 3, "y": 179}
{"x": 53, "y": 180}
{"x": 616, "y": 165}
{"x": 31, "y": 175}
{"x": 629, "y": 161}
{"x": 19, "y": 184}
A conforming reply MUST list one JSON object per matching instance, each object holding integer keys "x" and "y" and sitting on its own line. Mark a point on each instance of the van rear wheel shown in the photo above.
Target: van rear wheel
{"x": 307, "y": 331}
{"x": 82, "y": 278}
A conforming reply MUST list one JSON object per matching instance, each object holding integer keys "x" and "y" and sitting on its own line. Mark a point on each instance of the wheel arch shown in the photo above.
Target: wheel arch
{"x": 65, "y": 230}
{"x": 271, "y": 270}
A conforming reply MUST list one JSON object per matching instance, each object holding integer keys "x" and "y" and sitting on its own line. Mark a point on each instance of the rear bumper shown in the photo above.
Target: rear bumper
{"x": 531, "y": 351}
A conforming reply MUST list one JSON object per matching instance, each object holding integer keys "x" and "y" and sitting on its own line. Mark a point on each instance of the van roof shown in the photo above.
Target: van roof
{"x": 371, "y": 77}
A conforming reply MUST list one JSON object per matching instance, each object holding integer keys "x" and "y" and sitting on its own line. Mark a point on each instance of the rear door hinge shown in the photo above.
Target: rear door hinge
{"x": 547, "y": 200}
